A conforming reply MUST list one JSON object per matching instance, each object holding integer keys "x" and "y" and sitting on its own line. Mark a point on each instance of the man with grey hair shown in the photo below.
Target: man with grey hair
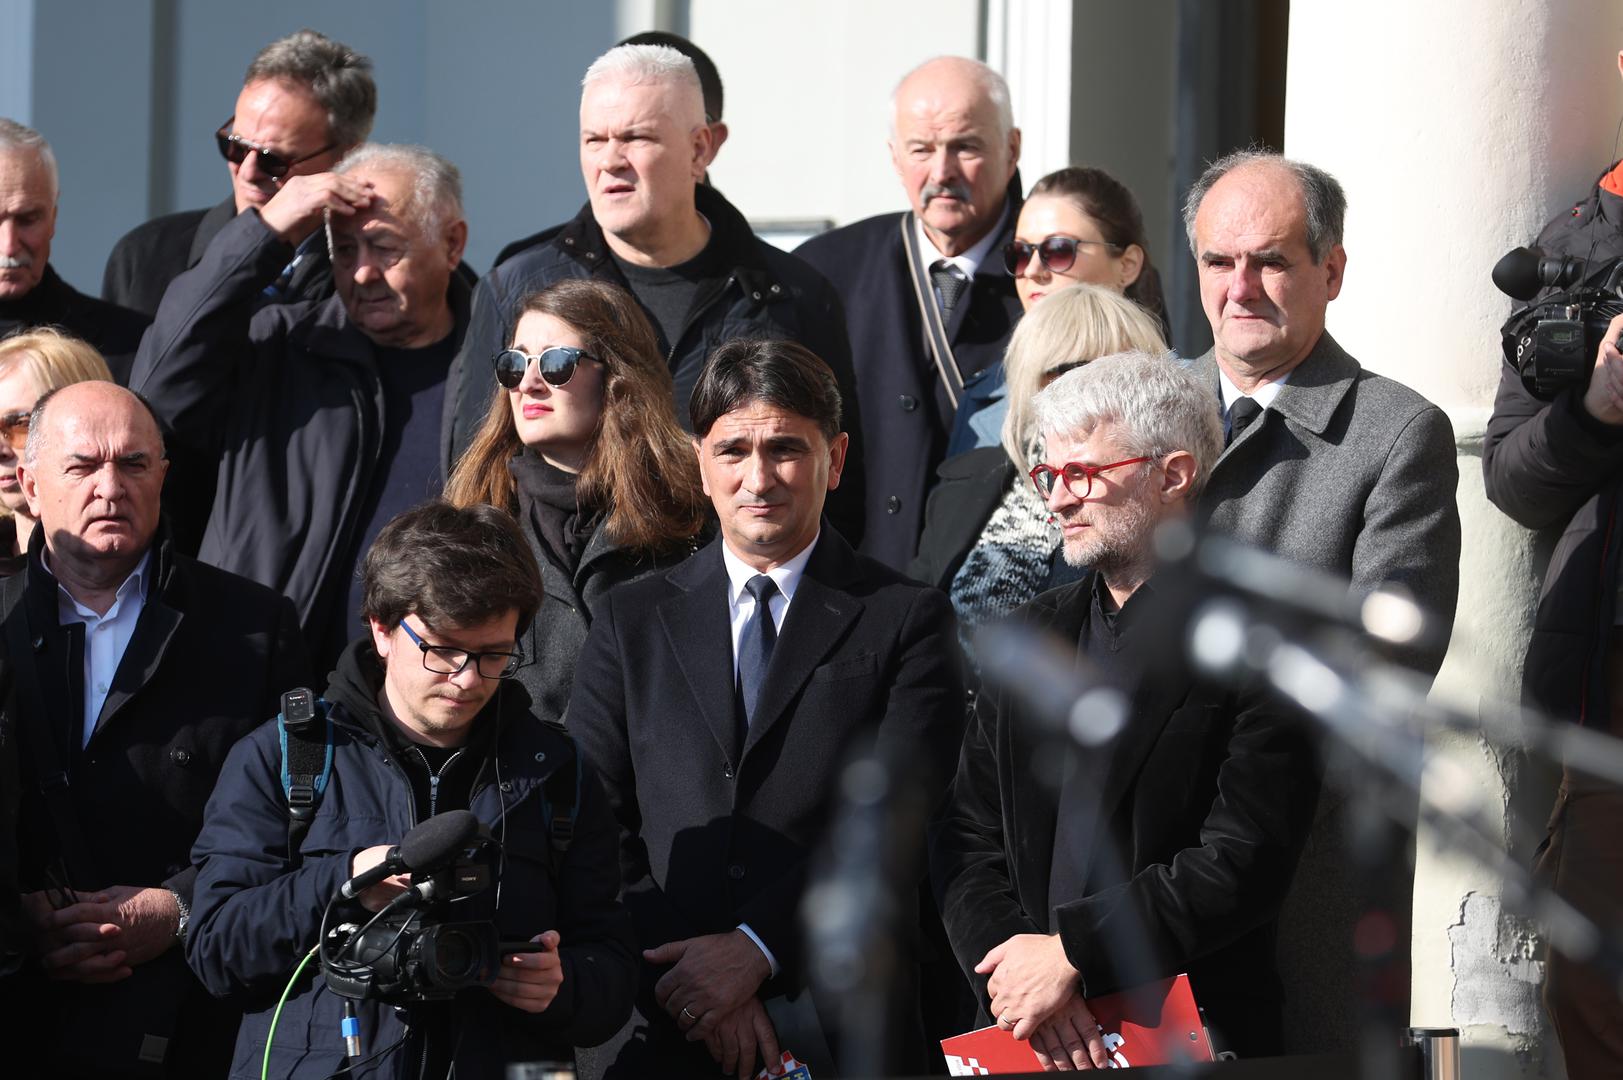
{"x": 1327, "y": 464}
{"x": 306, "y": 101}
{"x": 315, "y": 423}
{"x": 1169, "y": 848}
{"x": 929, "y": 303}
{"x": 649, "y": 226}
{"x": 32, "y": 294}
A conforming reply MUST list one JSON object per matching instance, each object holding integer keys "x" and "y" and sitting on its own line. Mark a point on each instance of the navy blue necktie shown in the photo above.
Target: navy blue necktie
{"x": 755, "y": 643}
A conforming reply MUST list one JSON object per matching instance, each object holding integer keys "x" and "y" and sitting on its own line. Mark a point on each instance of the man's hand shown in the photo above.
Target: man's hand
{"x": 1604, "y": 398}
{"x": 530, "y": 981}
{"x": 1070, "y": 1040}
{"x": 714, "y": 975}
{"x": 742, "y": 1037}
{"x": 374, "y": 897}
{"x": 104, "y": 937}
{"x": 1031, "y": 981}
{"x": 303, "y": 202}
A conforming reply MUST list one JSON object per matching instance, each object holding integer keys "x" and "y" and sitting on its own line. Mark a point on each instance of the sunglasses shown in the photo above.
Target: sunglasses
{"x": 1077, "y": 478}
{"x": 557, "y": 365}
{"x": 1058, "y": 253}
{"x": 14, "y": 429}
{"x": 235, "y": 149}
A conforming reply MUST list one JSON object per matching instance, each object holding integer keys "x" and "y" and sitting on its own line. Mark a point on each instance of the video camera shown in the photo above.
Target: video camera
{"x": 412, "y": 950}
{"x": 1552, "y": 344}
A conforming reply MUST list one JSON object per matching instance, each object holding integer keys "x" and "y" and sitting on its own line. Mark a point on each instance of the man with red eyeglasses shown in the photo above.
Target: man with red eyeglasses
{"x": 306, "y": 101}
{"x": 1169, "y": 848}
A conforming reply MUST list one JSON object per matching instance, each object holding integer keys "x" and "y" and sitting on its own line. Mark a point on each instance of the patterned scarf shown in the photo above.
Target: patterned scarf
{"x": 1008, "y": 564}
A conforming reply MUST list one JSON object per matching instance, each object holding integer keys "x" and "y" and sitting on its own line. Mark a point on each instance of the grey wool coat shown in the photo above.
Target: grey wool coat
{"x": 1354, "y": 474}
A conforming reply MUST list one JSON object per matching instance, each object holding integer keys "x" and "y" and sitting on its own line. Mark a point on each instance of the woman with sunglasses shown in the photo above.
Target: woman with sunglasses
{"x": 582, "y": 444}
{"x": 987, "y": 539}
{"x": 32, "y": 364}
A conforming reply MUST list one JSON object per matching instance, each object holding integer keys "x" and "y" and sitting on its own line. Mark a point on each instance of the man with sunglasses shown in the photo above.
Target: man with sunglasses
{"x": 929, "y": 304}
{"x": 32, "y": 294}
{"x": 306, "y": 101}
{"x": 313, "y": 424}
{"x": 425, "y": 718}
{"x": 127, "y": 673}
{"x": 1166, "y": 849}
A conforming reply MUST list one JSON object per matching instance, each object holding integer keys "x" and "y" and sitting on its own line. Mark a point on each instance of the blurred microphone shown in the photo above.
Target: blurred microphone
{"x": 430, "y": 844}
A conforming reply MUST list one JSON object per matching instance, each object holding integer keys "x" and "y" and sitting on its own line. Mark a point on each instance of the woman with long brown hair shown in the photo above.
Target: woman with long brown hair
{"x": 582, "y": 444}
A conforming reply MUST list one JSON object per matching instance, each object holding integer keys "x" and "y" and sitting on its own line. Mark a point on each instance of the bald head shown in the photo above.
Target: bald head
{"x": 70, "y": 407}
{"x": 955, "y": 148}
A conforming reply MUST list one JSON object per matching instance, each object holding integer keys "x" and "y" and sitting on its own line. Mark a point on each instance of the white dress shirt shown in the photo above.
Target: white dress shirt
{"x": 967, "y": 262}
{"x": 106, "y": 637}
{"x": 742, "y": 605}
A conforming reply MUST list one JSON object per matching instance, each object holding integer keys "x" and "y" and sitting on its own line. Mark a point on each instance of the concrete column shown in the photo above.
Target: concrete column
{"x": 17, "y": 60}
{"x": 1028, "y": 42}
{"x": 1457, "y": 129}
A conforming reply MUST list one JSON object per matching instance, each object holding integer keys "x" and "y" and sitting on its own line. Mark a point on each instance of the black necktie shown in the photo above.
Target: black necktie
{"x": 951, "y": 283}
{"x": 1242, "y": 414}
{"x": 755, "y": 643}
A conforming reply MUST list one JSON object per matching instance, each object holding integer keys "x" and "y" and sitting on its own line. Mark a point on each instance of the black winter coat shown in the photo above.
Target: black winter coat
{"x": 209, "y": 659}
{"x": 1551, "y": 465}
{"x": 282, "y": 408}
{"x": 907, "y": 416}
{"x": 767, "y": 293}
{"x": 256, "y": 913}
{"x": 114, "y": 331}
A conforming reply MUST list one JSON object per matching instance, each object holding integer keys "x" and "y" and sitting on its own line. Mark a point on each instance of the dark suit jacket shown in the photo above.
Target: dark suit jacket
{"x": 113, "y": 330}
{"x": 1205, "y": 797}
{"x": 714, "y": 834}
{"x": 906, "y": 416}
{"x": 209, "y": 659}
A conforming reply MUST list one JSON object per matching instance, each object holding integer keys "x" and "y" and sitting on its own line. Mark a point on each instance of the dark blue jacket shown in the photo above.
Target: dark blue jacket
{"x": 255, "y": 914}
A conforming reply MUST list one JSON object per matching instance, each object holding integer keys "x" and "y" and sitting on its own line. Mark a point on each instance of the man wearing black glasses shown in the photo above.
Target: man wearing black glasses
{"x": 425, "y": 719}
{"x": 1166, "y": 848}
{"x": 306, "y": 101}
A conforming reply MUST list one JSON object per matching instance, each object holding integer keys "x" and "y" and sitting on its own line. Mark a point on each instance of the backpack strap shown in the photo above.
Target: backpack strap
{"x": 304, "y": 728}
{"x": 562, "y": 791}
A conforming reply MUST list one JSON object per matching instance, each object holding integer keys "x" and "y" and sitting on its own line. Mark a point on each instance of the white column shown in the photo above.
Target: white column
{"x": 1457, "y": 128}
{"x": 1028, "y": 42}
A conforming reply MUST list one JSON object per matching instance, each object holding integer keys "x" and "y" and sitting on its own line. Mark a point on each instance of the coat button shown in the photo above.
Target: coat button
{"x": 507, "y": 786}
{"x": 180, "y": 756}
{"x": 908, "y": 402}
{"x": 540, "y": 756}
{"x": 735, "y": 872}
{"x": 727, "y": 770}
{"x": 893, "y": 505}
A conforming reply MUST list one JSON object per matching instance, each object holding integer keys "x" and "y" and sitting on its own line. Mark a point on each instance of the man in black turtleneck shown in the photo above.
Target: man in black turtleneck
{"x": 31, "y": 292}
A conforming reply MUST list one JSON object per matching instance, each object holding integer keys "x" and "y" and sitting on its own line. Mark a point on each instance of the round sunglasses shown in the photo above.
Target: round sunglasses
{"x": 556, "y": 365}
{"x": 235, "y": 149}
{"x": 1058, "y": 253}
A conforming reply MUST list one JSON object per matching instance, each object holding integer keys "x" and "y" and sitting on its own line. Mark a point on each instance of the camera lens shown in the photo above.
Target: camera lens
{"x": 456, "y": 957}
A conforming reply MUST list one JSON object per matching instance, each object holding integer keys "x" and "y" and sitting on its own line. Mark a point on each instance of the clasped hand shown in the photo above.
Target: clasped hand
{"x": 710, "y": 992}
{"x": 1035, "y": 994}
{"x": 104, "y": 936}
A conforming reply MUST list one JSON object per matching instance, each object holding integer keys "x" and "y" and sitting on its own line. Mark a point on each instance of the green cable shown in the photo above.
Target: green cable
{"x": 264, "y": 1068}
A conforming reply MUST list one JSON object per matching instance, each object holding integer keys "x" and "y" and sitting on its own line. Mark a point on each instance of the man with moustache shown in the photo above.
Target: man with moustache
{"x": 319, "y": 420}
{"x": 927, "y": 300}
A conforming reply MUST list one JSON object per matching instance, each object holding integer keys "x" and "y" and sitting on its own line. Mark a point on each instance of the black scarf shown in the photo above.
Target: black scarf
{"x": 546, "y": 496}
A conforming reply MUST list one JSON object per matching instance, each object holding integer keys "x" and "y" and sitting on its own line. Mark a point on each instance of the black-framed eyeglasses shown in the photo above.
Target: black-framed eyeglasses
{"x": 556, "y": 364}
{"x": 1078, "y": 478}
{"x": 235, "y": 149}
{"x": 444, "y": 660}
{"x": 14, "y": 429}
{"x": 1058, "y": 253}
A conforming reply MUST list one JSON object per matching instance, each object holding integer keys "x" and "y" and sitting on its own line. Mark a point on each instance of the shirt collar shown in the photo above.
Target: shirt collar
{"x": 134, "y": 585}
{"x": 968, "y": 261}
{"x": 1263, "y": 395}
{"x": 785, "y": 576}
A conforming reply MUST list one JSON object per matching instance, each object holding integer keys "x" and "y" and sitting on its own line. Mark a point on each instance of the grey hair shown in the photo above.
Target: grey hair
{"x": 338, "y": 77}
{"x": 37, "y": 438}
{"x": 436, "y": 190}
{"x": 15, "y": 137}
{"x": 1322, "y": 197}
{"x": 1157, "y": 402}
{"x": 635, "y": 64}
{"x": 988, "y": 81}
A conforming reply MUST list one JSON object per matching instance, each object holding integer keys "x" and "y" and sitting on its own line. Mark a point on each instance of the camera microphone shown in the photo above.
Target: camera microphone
{"x": 430, "y": 844}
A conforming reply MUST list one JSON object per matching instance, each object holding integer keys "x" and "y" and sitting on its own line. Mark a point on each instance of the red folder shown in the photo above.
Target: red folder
{"x": 1156, "y": 1024}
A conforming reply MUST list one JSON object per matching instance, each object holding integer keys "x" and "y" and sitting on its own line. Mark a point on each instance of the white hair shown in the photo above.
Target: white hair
{"x": 16, "y": 137}
{"x": 436, "y": 190}
{"x": 633, "y": 64}
{"x": 1156, "y": 401}
{"x": 988, "y": 81}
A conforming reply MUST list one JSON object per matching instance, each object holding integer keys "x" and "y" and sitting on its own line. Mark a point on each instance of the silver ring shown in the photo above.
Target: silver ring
{"x": 689, "y": 1015}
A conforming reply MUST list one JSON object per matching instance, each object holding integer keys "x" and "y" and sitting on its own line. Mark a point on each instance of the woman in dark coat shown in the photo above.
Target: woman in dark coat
{"x": 987, "y": 539}
{"x": 582, "y": 445}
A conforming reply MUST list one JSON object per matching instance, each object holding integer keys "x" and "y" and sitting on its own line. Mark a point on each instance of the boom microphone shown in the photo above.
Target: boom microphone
{"x": 430, "y": 844}
{"x": 1523, "y": 271}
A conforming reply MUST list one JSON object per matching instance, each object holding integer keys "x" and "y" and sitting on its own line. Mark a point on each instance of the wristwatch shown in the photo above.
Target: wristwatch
{"x": 185, "y": 918}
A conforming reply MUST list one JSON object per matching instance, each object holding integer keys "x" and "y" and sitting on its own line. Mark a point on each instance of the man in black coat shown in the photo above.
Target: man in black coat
{"x": 1166, "y": 849}
{"x": 719, "y": 701}
{"x": 928, "y": 303}
{"x": 315, "y": 423}
{"x": 685, "y": 253}
{"x": 306, "y": 101}
{"x": 133, "y": 670}
{"x": 31, "y": 292}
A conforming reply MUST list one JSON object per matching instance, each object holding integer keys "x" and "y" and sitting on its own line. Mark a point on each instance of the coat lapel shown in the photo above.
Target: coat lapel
{"x": 699, "y": 633}
{"x": 1308, "y": 401}
{"x": 142, "y": 657}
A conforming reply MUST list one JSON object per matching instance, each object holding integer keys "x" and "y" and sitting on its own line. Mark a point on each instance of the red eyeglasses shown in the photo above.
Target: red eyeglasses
{"x": 1074, "y": 474}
